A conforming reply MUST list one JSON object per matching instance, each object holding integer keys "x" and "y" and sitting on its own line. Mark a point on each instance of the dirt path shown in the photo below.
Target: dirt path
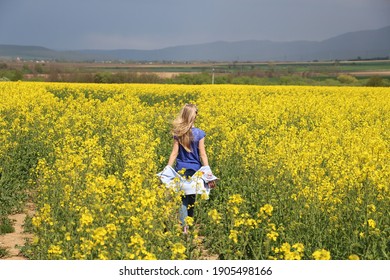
{"x": 204, "y": 253}
{"x": 13, "y": 241}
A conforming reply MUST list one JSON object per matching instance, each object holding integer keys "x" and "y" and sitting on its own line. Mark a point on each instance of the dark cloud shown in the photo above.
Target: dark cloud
{"x": 152, "y": 24}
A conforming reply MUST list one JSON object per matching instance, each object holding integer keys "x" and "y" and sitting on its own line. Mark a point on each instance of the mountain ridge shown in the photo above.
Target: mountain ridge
{"x": 351, "y": 45}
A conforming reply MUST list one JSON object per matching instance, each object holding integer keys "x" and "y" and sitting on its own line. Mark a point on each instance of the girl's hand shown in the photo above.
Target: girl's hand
{"x": 212, "y": 184}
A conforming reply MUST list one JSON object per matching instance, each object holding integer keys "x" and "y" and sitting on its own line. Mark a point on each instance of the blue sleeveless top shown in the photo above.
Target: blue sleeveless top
{"x": 190, "y": 160}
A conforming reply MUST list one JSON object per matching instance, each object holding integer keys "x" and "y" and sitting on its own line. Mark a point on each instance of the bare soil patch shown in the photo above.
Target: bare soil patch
{"x": 13, "y": 241}
{"x": 172, "y": 74}
{"x": 371, "y": 73}
{"x": 204, "y": 253}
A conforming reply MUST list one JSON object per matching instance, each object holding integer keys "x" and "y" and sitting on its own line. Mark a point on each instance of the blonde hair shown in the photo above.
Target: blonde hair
{"x": 182, "y": 125}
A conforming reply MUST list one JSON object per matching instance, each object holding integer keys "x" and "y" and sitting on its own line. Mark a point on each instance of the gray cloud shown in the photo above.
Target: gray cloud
{"x": 152, "y": 24}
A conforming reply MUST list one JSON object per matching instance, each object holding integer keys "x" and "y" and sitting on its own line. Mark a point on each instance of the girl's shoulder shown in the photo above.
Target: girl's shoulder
{"x": 197, "y": 129}
{"x": 198, "y": 133}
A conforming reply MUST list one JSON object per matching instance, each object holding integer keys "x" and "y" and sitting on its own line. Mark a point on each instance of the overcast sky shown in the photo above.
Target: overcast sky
{"x": 154, "y": 24}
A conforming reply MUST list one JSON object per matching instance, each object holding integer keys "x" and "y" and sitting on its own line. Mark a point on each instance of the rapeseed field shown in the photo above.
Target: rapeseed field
{"x": 304, "y": 171}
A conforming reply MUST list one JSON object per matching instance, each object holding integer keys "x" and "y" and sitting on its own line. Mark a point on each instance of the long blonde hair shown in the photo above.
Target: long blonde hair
{"x": 182, "y": 125}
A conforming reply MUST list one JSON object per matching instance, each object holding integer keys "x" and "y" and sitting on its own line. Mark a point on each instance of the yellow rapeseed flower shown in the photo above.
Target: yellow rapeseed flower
{"x": 371, "y": 223}
{"x": 86, "y": 219}
{"x": 353, "y": 257}
{"x": 215, "y": 216}
{"x": 189, "y": 221}
{"x": 321, "y": 254}
{"x": 178, "y": 251}
{"x": 272, "y": 235}
{"x": 233, "y": 235}
{"x": 55, "y": 250}
{"x": 235, "y": 199}
{"x": 99, "y": 235}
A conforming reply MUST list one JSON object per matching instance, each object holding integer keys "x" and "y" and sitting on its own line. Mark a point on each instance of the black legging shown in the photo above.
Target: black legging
{"x": 189, "y": 199}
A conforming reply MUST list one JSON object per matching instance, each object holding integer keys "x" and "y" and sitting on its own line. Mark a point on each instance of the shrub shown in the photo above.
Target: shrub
{"x": 346, "y": 79}
{"x": 375, "y": 81}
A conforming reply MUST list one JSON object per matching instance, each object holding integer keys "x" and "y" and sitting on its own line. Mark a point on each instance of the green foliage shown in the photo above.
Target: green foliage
{"x": 3, "y": 252}
{"x": 346, "y": 79}
{"x": 6, "y": 225}
{"x": 26, "y": 69}
{"x": 27, "y": 225}
{"x": 12, "y": 75}
{"x": 38, "y": 68}
{"x": 125, "y": 77}
{"x": 295, "y": 80}
{"x": 375, "y": 81}
{"x": 103, "y": 77}
{"x": 191, "y": 79}
{"x": 16, "y": 167}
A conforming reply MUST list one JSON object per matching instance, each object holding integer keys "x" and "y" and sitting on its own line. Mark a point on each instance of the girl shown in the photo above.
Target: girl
{"x": 189, "y": 152}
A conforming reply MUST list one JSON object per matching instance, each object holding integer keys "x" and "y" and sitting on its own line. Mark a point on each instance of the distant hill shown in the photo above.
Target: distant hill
{"x": 363, "y": 44}
{"x": 41, "y": 53}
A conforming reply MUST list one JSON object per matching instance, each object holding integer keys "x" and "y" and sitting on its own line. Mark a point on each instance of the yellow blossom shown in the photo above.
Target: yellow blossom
{"x": 189, "y": 221}
{"x": 272, "y": 235}
{"x": 99, "y": 235}
{"x": 321, "y": 254}
{"x": 371, "y": 223}
{"x": 235, "y": 199}
{"x": 353, "y": 257}
{"x": 233, "y": 235}
{"x": 55, "y": 250}
{"x": 266, "y": 209}
{"x": 215, "y": 216}
{"x": 86, "y": 219}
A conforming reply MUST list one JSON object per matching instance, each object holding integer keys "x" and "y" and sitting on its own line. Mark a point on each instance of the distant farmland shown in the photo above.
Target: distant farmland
{"x": 159, "y": 72}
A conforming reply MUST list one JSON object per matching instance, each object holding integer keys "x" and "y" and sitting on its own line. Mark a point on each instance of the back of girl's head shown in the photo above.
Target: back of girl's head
{"x": 188, "y": 113}
{"x": 183, "y": 123}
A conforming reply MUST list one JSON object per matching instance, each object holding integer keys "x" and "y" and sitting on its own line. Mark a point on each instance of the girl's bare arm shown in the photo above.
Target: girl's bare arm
{"x": 174, "y": 153}
{"x": 202, "y": 152}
